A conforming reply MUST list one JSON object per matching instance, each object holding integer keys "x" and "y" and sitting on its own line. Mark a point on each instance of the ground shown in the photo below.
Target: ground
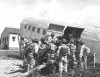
{"x": 10, "y": 64}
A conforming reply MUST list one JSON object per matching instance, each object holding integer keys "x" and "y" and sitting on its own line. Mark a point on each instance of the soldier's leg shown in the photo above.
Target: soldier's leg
{"x": 32, "y": 63}
{"x": 74, "y": 61}
{"x": 82, "y": 63}
{"x": 85, "y": 62}
{"x": 65, "y": 67}
{"x": 24, "y": 61}
{"x": 28, "y": 67}
{"x": 60, "y": 67}
{"x": 28, "y": 71}
{"x": 74, "y": 58}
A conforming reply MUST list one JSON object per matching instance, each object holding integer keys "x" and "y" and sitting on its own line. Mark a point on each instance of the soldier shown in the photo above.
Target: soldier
{"x": 36, "y": 48}
{"x": 51, "y": 56}
{"x": 50, "y": 38}
{"x": 70, "y": 37}
{"x": 72, "y": 47}
{"x": 30, "y": 58}
{"x": 51, "y": 50}
{"x": 32, "y": 55}
{"x": 25, "y": 52}
{"x": 43, "y": 44}
{"x": 63, "y": 52}
{"x": 42, "y": 51}
{"x": 84, "y": 50}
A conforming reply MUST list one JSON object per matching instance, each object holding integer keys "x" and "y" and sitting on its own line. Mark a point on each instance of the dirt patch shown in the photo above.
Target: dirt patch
{"x": 10, "y": 64}
{"x": 11, "y": 68}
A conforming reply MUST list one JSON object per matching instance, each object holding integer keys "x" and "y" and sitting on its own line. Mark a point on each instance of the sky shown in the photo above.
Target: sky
{"x": 83, "y": 12}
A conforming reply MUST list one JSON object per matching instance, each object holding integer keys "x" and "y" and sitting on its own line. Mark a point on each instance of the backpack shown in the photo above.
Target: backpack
{"x": 72, "y": 47}
{"x": 64, "y": 50}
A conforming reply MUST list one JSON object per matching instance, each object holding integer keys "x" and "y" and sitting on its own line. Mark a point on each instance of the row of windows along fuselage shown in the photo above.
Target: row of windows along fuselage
{"x": 33, "y": 28}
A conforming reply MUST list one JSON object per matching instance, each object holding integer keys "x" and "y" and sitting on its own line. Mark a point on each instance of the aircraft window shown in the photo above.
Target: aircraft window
{"x": 44, "y": 32}
{"x": 29, "y": 27}
{"x": 33, "y": 29}
{"x": 38, "y": 31}
{"x": 55, "y": 27}
{"x": 25, "y": 26}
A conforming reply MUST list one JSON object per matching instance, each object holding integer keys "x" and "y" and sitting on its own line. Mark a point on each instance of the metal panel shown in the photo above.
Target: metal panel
{"x": 55, "y": 27}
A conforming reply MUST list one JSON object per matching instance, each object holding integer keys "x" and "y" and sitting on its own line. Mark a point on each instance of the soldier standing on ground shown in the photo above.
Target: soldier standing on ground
{"x": 32, "y": 55}
{"x": 25, "y": 52}
{"x": 63, "y": 52}
{"x": 72, "y": 47}
{"x": 84, "y": 50}
{"x": 42, "y": 51}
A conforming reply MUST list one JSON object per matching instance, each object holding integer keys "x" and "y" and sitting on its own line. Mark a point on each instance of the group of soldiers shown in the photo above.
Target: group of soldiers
{"x": 64, "y": 54}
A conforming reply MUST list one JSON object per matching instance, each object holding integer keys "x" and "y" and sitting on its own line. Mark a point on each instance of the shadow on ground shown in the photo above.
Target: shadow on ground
{"x": 13, "y": 56}
{"x": 9, "y": 54}
{"x": 22, "y": 69}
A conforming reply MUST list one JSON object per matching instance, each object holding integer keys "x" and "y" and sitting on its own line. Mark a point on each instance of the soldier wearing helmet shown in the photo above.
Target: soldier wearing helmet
{"x": 72, "y": 47}
{"x": 50, "y": 38}
{"x": 32, "y": 54}
{"x": 84, "y": 50}
{"x": 25, "y": 51}
{"x": 42, "y": 50}
{"x": 36, "y": 46}
{"x": 63, "y": 52}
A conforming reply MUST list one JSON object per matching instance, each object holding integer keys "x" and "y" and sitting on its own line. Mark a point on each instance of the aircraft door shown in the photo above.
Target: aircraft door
{"x": 76, "y": 32}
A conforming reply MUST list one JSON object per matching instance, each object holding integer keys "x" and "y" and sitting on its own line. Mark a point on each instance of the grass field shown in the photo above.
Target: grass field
{"x": 9, "y": 54}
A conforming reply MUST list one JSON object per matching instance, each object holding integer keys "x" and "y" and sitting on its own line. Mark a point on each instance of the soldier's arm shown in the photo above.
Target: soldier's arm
{"x": 68, "y": 50}
{"x": 40, "y": 47}
{"x": 87, "y": 49}
{"x": 36, "y": 48}
{"x": 58, "y": 51}
{"x": 48, "y": 39}
{"x": 26, "y": 47}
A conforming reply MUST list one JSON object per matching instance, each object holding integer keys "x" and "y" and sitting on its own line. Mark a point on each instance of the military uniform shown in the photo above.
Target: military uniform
{"x": 51, "y": 52}
{"x": 42, "y": 53}
{"x": 72, "y": 47}
{"x": 42, "y": 48}
{"x": 50, "y": 38}
{"x": 84, "y": 50}
{"x": 30, "y": 60}
{"x": 63, "y": 52}
{"x": 25, "y": 52}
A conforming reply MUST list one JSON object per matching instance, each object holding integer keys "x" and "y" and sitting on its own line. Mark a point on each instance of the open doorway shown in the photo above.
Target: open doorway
{"x": 76, "y": 32}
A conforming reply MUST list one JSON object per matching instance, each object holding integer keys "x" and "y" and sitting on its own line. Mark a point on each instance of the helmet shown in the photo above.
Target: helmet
{"x": 72, "y": 41}
{"x": 52, "y": 34}
{"x": 26, "y": 40}
{"x": 42, "y": 39}
{"x": 36, "y": 40}
{"x": 70, "y": 36}
{"x": 64, "y": 41}
{"x": 32, "y": 44}
{"x": 81, "y": 42}
{"x": 58, "y": 42}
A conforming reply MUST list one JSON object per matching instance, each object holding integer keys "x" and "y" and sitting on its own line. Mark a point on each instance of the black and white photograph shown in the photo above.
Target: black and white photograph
{"x": 49, "y": 38}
